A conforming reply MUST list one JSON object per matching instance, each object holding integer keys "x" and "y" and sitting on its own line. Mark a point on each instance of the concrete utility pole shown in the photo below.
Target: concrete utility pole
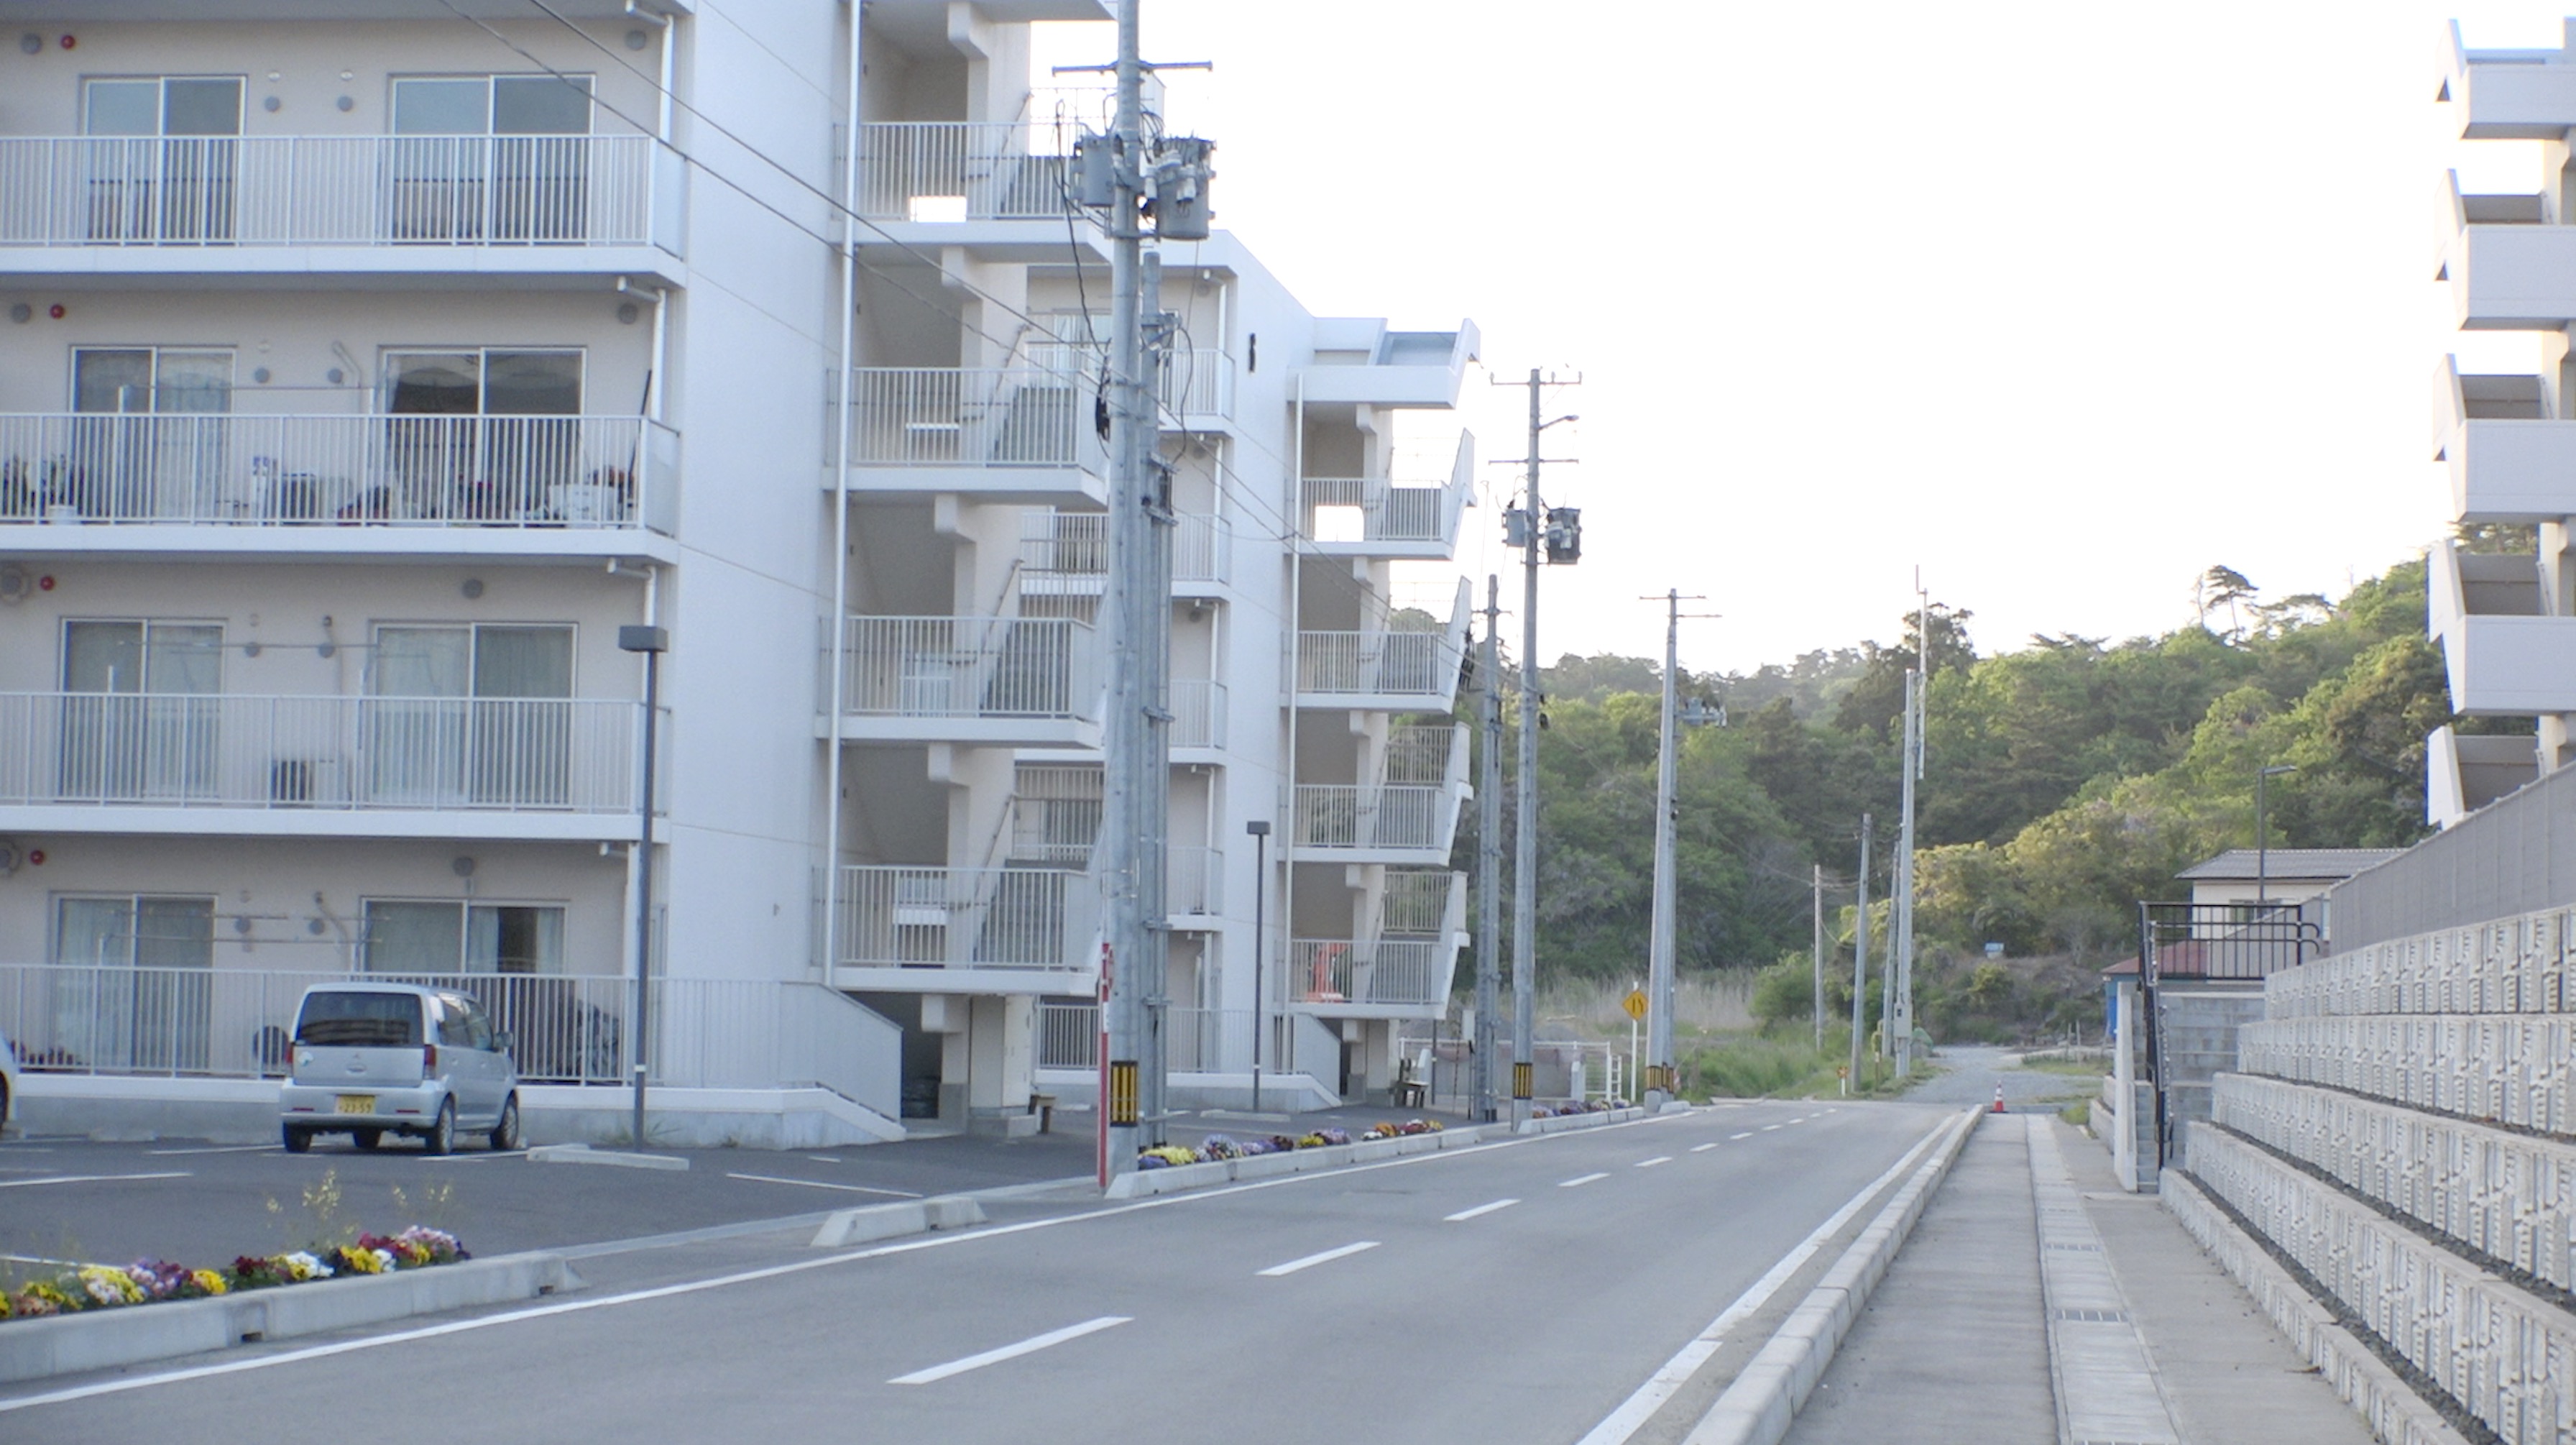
{"x": 1660, "y": 1080}
{"x": 1860, "y": 954}
{"x": 1816, "y": 903}
{"x": 1900, "y": 973}
{"x": 1489, "y": 851}
{"x": 1534, "y": 524}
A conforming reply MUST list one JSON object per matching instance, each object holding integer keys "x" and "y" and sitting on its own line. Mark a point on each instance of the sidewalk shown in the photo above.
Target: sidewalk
{"x": 2037, "y": 1302}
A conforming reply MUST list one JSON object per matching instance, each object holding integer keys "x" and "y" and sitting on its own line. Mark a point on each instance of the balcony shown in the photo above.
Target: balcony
{"x": 489, "y": 210}
{"x": 1376, "y": 517}
{"x": 337, "y": 766}
{"x": 989, "y": 434}
{"x": 2510, "y": 461}
{"x": 2509, "y": 94}
{"x": 981, "y": 681}
{"x": 1393, "y": 668}
{"x": 1410, "y": 816}
{"x": 1193, "y": 885}
{"x": 1402, "y": 972}
{"x": 1194, "y": 388}
{"x": 966, "y": 930}
{"x": 2505, "y": 653}
{"x": 2465, "y": 772}
{"x": 1066, "y": 554}
{"x": 2511, "y": 265}
{"x": 1359, "y": 361}
{"x": 1198, "y": 713}
{"x": 376, "y": 485}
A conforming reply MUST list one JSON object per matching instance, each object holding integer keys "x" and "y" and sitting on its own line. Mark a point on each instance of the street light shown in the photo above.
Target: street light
{"x": 652, "y": 642}
{"x": 2263, "y": 834}
{"x": 1259, "y": 828}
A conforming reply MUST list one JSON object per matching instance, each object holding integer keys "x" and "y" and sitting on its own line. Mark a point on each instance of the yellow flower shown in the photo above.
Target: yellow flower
{"x": 208, "y": 1280}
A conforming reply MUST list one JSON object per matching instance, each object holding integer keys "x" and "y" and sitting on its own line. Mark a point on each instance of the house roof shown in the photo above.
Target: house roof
{"x": 2304, "y": 864}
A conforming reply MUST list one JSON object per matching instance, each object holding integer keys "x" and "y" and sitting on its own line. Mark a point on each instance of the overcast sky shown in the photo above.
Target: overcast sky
{"x": 2062, "y": 302}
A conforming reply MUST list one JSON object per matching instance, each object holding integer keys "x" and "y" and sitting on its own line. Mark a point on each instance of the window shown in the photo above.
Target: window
{"x": 472, "y": 715}
{"x": 491, "y": 157}
{"x": 140, "y": 715}
{"x": 484, "y": 432}
{"x": 151, "y": 379}
{"x": 142, "y": 1003}
{"x": 161, "y": 156}
{"x": 449, "y": 938}
{"x": 144, "y": 445}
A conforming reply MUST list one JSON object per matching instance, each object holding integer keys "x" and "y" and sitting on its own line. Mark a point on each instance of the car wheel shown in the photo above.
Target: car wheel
{"x": 366, "y": 1139}
{"x": 442, "y": 1135}
{"x": 505, "y": 1134}
{"x": 296, "y": 1140}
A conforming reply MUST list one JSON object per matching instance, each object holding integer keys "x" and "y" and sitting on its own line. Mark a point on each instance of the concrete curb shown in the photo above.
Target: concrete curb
{"x": 2394, "y": 1412}
{"x": 1144, "y": 1183}
{"x": 584, "y": 1154}
{"x": 1563, "y": 1122}
{"x": 1758, "y": 1407}
{"x": 135, "y": 1334}
{"x": 886, "y": 1221}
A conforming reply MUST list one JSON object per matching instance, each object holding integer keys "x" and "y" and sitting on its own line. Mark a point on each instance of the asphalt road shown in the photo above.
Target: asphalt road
{"x": 1513, "y": 1292}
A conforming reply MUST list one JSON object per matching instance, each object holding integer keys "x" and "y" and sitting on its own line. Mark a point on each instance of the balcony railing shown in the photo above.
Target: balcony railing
{"x": 1193, "y": 382}
{"x": 947, "y": 416}
{"x": 223, "y": 750}
{"x": 963, "y": 171}
{"x": 970, "y": 667}
{"x": 1423, "y": 664}
{"x": 1358, "y": 512}
{"x": 1397, "y": 971}
{"x": 565, "y": 1029}
{"x": 1003, "y": 918}
{"x": 1198, "y": 713}
{"x": 1193, "y": 880}
{"x": 364, "y": 470}
{"x": 1195, "y": 1040}
{"x": 1368, "y": 816}
{"x": 1069, "y": 551}
{"x": 410, "y": 190}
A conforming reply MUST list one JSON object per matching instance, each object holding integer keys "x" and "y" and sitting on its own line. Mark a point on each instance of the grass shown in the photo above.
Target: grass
{"x": 1756, "y": 1066}
{"x": 2072, "y": 1068}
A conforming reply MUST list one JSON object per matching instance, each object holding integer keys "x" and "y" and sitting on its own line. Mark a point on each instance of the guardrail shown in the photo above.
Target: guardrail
{"x": 368, "y": 470}
{"x": 894, "y": 916}
{"x": 565, "y": 1028}
{"x": 947, "y": 416}
{"x": 970, "y": 667}
{"x": 226, "y": 750}
{"x": 402, "y": 190}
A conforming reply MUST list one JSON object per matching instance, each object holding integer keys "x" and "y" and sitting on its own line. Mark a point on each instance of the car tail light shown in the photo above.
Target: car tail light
{"x": 429, "y": 1058}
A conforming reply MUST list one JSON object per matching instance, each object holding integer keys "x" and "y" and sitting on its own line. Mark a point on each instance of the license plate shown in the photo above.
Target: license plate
{"x": 357, "y": 1103}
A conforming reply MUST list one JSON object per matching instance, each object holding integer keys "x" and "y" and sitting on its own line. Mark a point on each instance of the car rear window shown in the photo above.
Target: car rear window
{"x": 363, "y": 1020}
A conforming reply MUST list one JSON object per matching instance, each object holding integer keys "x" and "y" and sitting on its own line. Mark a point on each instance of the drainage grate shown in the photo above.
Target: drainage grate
{"x": 2095, "y": 1317}
{"x": 2085, "y": 1248}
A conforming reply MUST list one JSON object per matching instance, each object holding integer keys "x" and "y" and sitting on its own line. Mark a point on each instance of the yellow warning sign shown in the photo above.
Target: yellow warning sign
{"x": 1635, "y": 1004}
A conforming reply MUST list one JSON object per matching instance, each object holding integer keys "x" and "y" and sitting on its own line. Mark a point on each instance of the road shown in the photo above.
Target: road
{"x": 1519, "y": 1291}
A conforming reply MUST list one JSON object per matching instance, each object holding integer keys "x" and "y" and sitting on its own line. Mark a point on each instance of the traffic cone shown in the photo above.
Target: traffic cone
{"x": 1999, "y": 1098}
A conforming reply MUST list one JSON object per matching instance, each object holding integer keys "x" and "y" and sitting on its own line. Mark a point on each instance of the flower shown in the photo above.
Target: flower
{"x": 301, "y": 1266}
{"x": 207, "y": 1282}
{"x": 108, "y": 1285}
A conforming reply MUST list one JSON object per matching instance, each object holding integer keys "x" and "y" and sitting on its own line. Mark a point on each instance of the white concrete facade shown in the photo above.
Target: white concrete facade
{"x": 361, "y": 377}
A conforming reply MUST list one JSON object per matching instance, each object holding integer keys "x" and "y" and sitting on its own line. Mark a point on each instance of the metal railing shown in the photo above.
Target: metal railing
{"x": 1191, "y": 382}
{"x": 970, "y": 667}
{"x": 565, "y": 1029}
{"x": 927, "y": 170}
{"x": 1075, "y": 545}
{"x": 1386, "y": 511}
{"x": 947, "y": 416}
{"x": 1420, "y": 664}
{"x": 224, "y": 750}
{"x": 407, "y": 190}
{"x": 1193, "y": 880}
{"x": 372, "y": 470}
{"x": 1342, "y": 815}
{"x": 1400, "y": 971}
{"x": 1198, "y": 713}
{"x": 1023, "y": 918}
{"x": 1195, "y": 1040}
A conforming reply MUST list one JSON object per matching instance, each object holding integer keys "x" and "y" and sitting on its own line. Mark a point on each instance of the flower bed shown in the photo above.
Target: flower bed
{"x": 148, "y": 1281}
{"x": 1218, "y": 1146}
{"x": 1561, "y": 1111}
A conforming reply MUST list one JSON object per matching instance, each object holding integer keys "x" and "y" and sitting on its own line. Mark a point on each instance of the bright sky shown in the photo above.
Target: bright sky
{"x": 2063, "y": 303}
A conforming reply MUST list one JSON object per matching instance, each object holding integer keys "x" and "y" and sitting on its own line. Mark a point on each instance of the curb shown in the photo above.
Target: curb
{"x": 2394, "y": 1412}
{"x": 136, "y": 1334}
{"x": 1144, "y": 1183}
{"x": 584, "y": 1154}
{"x": 873, "y": 1222}
{"x": 1764, "y": 1398}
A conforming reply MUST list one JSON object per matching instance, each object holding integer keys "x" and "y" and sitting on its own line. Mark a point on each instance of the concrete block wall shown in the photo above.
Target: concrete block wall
{"x": 2504, "y": 1068}
{"x": 2511, "y": 965}
{"x": 2509, "y": 1196}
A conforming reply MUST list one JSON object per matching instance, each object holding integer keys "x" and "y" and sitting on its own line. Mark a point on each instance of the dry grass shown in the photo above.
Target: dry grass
{"x": 1709, "y": 1004}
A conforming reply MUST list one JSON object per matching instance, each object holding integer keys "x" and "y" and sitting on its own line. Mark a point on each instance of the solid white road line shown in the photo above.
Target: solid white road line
{"x": 91, "y": 1179}
{"x": 1651, "y": 1163}
{"x": 823, "y": 1184}
{"x": 1703, "y": 1148}
{"x": 1029, "y": 1346}
{"x": 1579, "y": 1180}
{"x": 1464, "y": 1215}
{"x": 1310, "y": 1261}
{"x": 822, "y": 1158}
{"x": 1747, "y": 1134}
{"x": 224, "y": 1149}
{"x": 1661, "y": 1386}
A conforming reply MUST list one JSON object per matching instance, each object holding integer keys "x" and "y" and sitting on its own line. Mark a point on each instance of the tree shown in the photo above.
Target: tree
{"x": 2223, "y": 587}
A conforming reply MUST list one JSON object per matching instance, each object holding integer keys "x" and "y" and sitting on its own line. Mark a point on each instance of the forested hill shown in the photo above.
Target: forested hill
{"x": 2065, "y": 778}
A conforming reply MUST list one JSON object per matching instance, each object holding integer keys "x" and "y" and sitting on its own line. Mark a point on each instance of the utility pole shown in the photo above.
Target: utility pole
{"x": 1816, "y": 903}
{"x": 1529, "y": 521}
{"x": 1860, "y": 954}
{"x": 1659, "y": 1081}
{"x": 1900, "y": 974}
{"x": 1489, "y": 851}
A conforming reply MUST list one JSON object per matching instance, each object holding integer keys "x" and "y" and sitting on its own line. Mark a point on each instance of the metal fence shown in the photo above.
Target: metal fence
{"x": 565, "y": 1029}
{"x": 947, "y": 416}
{"x": 406, "y": 190}
{"x": 1195, "y": 1040}
{"x": 969, "y": 667}
{"x": 230, "y": 751}
{"x": 365, "y": 470}
{"x": 1020, "y": 918}
{"x": 2516, "y": 855}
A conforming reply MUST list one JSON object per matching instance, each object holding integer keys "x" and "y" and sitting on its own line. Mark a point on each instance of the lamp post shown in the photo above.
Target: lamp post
{"x": 1259, "y": 828}
{"x": 652, "y": 642}
{"x": 2263, "y": 834}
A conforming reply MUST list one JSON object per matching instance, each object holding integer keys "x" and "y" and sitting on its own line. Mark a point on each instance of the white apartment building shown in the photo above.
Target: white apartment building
{"x": 367, "y": 366}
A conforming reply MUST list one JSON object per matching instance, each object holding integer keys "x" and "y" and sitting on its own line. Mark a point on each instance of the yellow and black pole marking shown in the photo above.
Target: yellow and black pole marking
{"x": 1521, "y": 1082}
{"x": 1122, "y": 1091}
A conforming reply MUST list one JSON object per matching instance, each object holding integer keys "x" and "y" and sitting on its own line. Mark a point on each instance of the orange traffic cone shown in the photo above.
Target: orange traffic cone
{"x": 1999, "y": 1098}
